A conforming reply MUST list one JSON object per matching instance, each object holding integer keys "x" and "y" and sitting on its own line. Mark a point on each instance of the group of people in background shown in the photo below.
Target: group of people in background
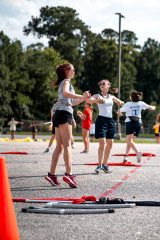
{"x": 104, "y": 128}
{"x": 13, "y": 127}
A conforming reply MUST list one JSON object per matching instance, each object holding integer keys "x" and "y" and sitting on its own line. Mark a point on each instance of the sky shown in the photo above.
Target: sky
{"x": 141, "y": 16}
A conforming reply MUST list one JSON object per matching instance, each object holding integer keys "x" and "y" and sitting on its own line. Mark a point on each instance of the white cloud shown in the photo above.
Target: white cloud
{"x": 141, "y": 16}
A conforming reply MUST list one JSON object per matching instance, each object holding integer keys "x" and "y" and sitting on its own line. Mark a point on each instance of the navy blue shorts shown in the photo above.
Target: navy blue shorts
{"x": 105, "y": 128}
{"x": 133, "y": 128}
{"x": 62, "y": 117}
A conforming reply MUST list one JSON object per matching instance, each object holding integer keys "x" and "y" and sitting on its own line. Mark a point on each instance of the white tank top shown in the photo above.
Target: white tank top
{"x": 105, "y": 109}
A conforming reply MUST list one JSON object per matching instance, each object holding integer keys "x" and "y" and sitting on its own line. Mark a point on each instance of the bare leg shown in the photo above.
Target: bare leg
{"x": 12, "y": 135}
{"x": 101, "y": 150}
{"x": 158, "y": 139}
{"x": 109, "y": 144}
{"x": 66, "y": 137}
{"x": 85, "y": 135}
{"x": 128, "y": 146}
{"x": 51, "y": 140}
{"x": 57, "y": 152}
{"x": 33, "y": 135}
{"x": 131, "y": 144}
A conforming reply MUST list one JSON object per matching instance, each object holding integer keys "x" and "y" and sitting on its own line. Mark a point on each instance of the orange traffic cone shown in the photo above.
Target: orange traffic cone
{"x": 8, "y": 223}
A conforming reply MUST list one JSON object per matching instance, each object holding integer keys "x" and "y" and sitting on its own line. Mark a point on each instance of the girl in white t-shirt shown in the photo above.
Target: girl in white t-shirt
{"x": 104, "y": 125}
{"x": 133, "y": 121}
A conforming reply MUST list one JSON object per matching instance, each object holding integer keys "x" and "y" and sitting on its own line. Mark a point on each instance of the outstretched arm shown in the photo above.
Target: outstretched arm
{"x": 68, "y": 94}
{"x": 98, "y": 99}
{"x": 118, "y": 101}
{"x": 152, "y": 108}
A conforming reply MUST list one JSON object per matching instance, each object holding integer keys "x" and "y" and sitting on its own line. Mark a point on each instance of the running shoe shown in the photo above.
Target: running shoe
{"x": 125, "y": 159}
{"x": 139, "y": 155}
{"x": 73, "y": 146}
{"x": 47, "y": 150}
{"x": 52, "y": 179}
{"x": 70, "y": 180}
{"x": 84, "y": 151}
{"x": 105, "y": 168}
{"x": 98, "y": 168}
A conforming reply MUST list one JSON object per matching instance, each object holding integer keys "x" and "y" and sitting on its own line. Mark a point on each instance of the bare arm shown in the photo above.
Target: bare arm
{"x": 95, "y": 100}
{"x": 69, "y": 94}
{"x": 154, "y": 126}
{"x": 119, "y": 114}
{"x": 78, "y": 101}
{"x": 118, "y": 101}
{"x": 81, "y": 115}
{"x": 152, "y": 108}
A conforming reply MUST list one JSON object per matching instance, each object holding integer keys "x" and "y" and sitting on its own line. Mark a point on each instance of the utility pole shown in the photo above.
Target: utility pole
{"x": 118, "y": 125}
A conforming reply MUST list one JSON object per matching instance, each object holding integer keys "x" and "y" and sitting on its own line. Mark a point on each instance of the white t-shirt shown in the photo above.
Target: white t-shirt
{"x": 12, "y": 125}
{"x": 105, "y": 109}
{"x": 92, "y": 129}
{"x": 134, "y": 109}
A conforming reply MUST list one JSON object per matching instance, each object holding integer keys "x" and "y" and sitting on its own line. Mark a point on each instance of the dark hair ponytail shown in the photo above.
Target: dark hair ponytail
{"x": 136, "y": 96}
{"x": 61, "y": 72}
{"x": 113, "y": 90}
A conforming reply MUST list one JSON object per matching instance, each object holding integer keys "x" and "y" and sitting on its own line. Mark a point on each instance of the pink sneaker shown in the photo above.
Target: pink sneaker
{"x": 69, "y": 179}
{"x": 52, "y": 179}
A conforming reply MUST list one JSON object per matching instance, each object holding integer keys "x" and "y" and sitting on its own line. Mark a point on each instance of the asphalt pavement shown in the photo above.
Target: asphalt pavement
{"x": 26, "y": 174}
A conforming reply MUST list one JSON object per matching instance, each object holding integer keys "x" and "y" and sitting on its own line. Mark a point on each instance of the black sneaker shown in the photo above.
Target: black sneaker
{"x": 98, "y": 168}
{"x": 105, "y": 168}
{"x": 47, "y": 150}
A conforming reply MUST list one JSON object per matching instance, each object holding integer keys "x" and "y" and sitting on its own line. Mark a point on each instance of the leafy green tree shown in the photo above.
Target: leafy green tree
{"x": 100, "y": 62}
{"x": 129, "y": 37}
{"x": 5, "y": 96}
{"x": 148, "y": 76}
{"x": 11, "y": 80}
{"x": 128, "y": 62}
{"x": 110, "y": 34}
{"x": 40, "y": 66}
{"x": 128, "y": 71}
{"x": 65, "y": 31}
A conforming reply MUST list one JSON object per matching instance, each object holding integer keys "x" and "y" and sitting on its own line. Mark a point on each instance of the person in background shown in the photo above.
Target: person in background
{"x": 105, "y": 125}
{"x": 133, "y": 121}
{"x": 62, "y": 120}
{"x": 156, "y": 128}
{"x": 52, "y": 128}
{"x": 13, "y": 125}
{"x": 92, "y": 133}
{"x": 33, "y": 127}
{"x": 86, "y": 118}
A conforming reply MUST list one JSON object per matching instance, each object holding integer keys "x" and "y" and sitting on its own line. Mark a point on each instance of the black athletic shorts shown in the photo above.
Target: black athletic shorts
{"x": 53, "y": 127}
{"x": 62, "y": 117}
{"x": 105, "y": 128}
{"x": 157, "y": 134}
{"x": 133, "y": 128}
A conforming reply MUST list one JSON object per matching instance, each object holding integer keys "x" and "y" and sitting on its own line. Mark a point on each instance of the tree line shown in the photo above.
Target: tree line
{"x": 26, "y": 74}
